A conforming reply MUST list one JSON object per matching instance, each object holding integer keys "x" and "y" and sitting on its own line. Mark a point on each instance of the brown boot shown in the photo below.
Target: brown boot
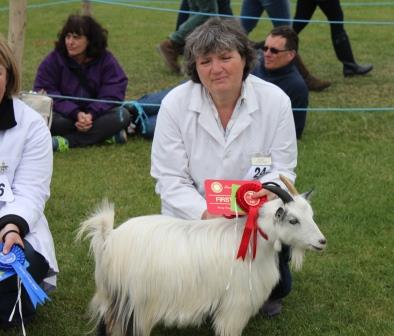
{"x": 170, "y": 51}
{"x": 313, "y": 83}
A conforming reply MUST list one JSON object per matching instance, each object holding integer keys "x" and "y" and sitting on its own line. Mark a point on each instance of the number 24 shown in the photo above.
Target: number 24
{"x": 258, "y": 172}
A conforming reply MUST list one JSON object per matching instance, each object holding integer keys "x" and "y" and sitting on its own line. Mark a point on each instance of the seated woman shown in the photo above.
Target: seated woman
{"x": 81, "y": 66}
{"x": 25, "y": 177}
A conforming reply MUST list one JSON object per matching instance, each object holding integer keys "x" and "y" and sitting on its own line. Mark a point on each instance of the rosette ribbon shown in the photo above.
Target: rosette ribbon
{"x": 251, "y": 206}
{"x": 13, "y": 262}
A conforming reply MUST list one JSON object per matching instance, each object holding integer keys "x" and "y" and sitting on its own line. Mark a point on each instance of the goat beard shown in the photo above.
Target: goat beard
{"x": 297, "y": 258}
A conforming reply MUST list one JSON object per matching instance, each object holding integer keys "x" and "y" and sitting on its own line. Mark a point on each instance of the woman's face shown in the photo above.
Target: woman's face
{"x": 221, "y": 73}
{"x": 3, "y": 81}
{"x": 76, "y": 45}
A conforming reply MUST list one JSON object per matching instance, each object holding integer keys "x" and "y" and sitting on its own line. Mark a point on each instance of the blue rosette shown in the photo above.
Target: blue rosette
{"x": 13, "y": 262}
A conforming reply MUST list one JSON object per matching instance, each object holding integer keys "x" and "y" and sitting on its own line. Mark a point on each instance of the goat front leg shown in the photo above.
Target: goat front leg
{"x": 232, "y": 321}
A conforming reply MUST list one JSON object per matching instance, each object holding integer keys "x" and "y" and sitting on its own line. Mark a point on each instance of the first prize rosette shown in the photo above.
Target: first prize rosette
{"x": 13, "y": 262}
{"x": 233, "y": 197}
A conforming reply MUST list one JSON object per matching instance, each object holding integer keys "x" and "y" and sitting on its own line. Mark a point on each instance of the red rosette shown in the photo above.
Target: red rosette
{"x": 251, "y": 207}
{"x": 244, "y": 193}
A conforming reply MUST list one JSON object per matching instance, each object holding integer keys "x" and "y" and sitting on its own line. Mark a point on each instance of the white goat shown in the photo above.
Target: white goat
{"x": 161, "y": 269}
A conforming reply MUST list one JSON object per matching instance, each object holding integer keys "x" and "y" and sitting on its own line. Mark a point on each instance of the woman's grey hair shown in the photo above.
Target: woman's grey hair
{"x": 214, "y": 36}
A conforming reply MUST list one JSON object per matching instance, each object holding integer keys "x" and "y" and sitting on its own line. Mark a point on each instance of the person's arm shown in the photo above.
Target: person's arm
{"x": 31, "y": 182}
{"x": 113, "y": 84}
{"x": 170, "y": 167}
{"x": 49, "y": 79}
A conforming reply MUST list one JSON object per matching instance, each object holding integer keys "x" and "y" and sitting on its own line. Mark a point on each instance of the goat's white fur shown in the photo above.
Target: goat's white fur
{"x": 175, "y": 271}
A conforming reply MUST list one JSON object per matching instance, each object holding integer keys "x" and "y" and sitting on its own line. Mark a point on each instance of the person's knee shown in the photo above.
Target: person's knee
{"x": 124, "y": 116}
{"x": 38, "y": 266}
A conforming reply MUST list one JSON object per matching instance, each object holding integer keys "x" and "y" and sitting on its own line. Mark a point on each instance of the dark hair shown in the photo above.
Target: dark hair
{"x": 216, "y": 35}
{"x": 8, "y": 61}
{"x": 287, "y": 33}
{"x": 87, "y": 26}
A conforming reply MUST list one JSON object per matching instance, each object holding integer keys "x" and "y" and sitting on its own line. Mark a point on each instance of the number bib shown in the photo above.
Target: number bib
{"x": 260, "y": 165}
{"x": 6, "y": 194}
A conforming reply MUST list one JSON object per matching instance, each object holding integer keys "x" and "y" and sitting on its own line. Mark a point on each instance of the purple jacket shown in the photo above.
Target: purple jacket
{"x": 105, "y": 78}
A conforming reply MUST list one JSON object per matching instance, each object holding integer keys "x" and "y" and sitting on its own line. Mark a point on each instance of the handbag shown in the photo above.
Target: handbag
{"x": 39, "y": 102}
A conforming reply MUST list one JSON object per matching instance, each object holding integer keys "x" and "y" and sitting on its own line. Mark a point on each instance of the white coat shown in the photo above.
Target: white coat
{"x": 26, "y": 152}
{"x": 190, "y": 147}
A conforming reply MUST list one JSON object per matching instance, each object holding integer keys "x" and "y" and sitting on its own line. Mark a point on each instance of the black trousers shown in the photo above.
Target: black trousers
{"x": 103, "y": 127}
{"x": 331, "y": 9}
{"x": 38, "y": 269}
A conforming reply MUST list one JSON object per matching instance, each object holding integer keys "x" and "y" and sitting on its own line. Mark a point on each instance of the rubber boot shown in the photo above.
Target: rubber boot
{"x": 344, "y": 53}
{"x": 170, "y": 51}
{"x": 313, "y": 83}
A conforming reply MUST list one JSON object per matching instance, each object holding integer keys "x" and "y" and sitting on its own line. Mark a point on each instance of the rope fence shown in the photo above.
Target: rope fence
{"x": 153, "y": 5}
{"x": 130, "y": 5}
{"x": 316, "y": 109}
{"x": 134, "y": 4}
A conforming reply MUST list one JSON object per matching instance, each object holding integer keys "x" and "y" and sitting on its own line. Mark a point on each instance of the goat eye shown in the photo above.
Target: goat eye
{"x": 293, "y": 221}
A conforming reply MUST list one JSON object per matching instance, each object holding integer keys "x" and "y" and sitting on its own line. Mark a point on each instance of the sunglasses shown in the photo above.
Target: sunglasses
{"x": 274, "y": 50}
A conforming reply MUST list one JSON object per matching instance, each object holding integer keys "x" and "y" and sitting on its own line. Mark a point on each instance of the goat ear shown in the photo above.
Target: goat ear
{"x": 307, "y": 195}
{"x": 279, "y": 213}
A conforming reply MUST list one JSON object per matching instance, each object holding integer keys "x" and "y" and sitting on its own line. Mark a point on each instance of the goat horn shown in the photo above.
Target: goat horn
{"x": 281, "y": 193}
{"x": 290, "y": 186}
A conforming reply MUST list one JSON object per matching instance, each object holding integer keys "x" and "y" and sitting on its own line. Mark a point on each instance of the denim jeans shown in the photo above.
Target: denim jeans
{"x": 155, "y": 99}
{"x": 150, "y": 104}
{"x": 276, "y": 9}
{"x": 283, "y": 287}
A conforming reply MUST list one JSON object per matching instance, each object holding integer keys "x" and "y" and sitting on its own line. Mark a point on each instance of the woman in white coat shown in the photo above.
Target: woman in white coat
{"x": 25, "y": 176}
{"x": 222, "y": 124}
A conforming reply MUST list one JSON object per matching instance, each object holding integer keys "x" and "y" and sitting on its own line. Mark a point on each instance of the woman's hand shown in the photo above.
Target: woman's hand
{"x": 84, "y": 122}
{"x": 207, "y": 215}
{"x": 10, "y": 238}
{"x": 264, "y": 192}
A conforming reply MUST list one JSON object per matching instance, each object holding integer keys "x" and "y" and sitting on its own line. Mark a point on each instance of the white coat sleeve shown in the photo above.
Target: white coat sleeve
{"x": 31, "y": 182}
{"x": 170, "y": 168}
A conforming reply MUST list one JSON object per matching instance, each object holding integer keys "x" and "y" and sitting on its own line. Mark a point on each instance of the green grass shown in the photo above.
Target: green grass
{"x": 347, "y": 157}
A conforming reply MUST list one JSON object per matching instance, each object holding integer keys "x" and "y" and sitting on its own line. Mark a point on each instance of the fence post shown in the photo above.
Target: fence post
{"x": 86, "y": 7}
{"x": 16, "y": 29}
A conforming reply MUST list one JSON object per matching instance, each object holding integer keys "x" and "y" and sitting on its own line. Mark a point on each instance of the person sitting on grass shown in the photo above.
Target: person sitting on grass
{"x": 81, "y": 66}
{"x": 277, "y": 65}
{"x": 25, "y": 176}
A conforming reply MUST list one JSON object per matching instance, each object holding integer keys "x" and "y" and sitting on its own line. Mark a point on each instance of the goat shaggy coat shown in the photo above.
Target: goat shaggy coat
{"x": 161, "y": 269}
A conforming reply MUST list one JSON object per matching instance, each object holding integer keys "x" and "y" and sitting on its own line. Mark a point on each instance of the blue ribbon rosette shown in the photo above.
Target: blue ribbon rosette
{"x": 14, "y": 262}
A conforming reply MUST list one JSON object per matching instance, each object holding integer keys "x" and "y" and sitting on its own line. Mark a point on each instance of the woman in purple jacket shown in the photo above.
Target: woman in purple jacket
{"x": 81, "y": 67}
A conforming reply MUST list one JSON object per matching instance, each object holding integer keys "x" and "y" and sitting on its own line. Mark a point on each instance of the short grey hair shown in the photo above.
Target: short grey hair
{"x": 214, "y": 36}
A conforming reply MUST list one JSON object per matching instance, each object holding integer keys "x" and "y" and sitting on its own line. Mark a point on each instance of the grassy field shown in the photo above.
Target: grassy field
{"x": 347, "y": 156}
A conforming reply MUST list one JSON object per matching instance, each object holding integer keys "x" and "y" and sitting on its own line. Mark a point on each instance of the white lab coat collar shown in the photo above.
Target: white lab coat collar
{"x": 200, "y": 104}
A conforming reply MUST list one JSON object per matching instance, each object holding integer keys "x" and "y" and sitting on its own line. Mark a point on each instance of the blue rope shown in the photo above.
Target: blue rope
{"x": 143, "y": 116}
{"x": 117, "y": 2}
{"x": 128, "y": 4}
